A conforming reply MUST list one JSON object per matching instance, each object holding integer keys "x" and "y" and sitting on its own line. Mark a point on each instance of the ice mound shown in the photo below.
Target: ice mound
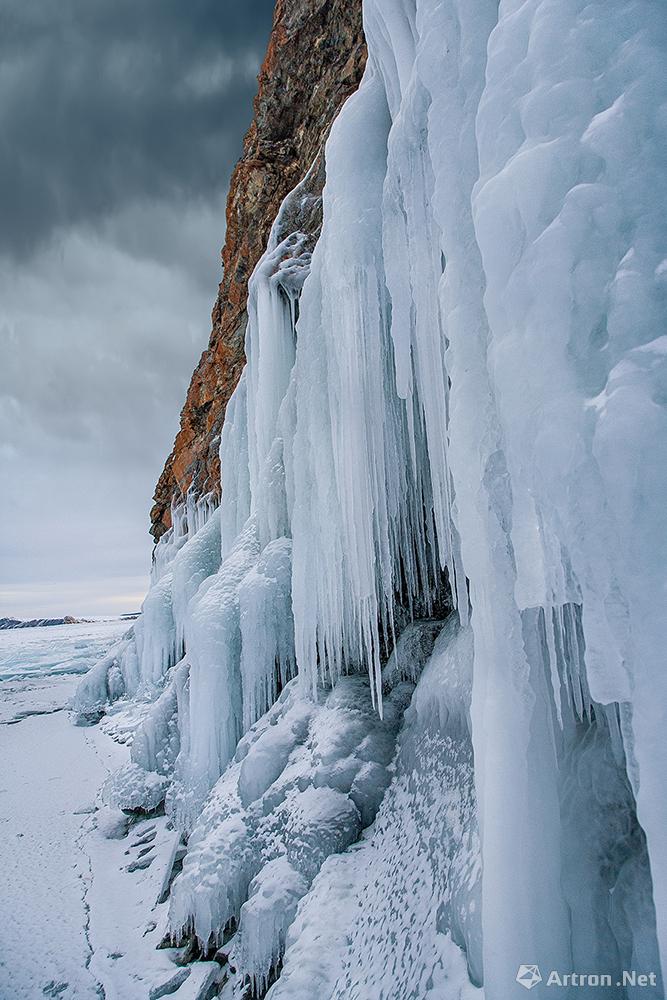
{"x": 399, "y": 914}
{"x": 273, "y": 896}
{"x": 112, "y": 824}
{"x": 133, "y": 789}
{"x": 106, "y": 681}
{"x": 300, "y": 782}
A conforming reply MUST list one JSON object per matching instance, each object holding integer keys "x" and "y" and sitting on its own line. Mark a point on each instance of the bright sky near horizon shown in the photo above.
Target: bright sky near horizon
{"x": 120, "y": 125}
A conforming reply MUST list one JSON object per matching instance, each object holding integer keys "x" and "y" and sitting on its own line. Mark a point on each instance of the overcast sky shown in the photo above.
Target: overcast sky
{"x": 120, "y": 123}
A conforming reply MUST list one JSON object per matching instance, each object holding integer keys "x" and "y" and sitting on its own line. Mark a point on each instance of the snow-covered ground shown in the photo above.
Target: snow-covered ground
{"x": 79, "y": 917}
{"x": 51, "y": 772}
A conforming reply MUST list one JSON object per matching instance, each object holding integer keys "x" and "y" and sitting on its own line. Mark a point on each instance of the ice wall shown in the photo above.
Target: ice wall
{"x": 460, "y": 389}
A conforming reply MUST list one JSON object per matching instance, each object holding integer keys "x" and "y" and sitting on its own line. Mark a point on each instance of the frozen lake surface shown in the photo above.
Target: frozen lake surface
{"x": 56, "y": 649}
{"x": 51, "y": 774}
{"x": 78, "y": 913}
{"x": 50, "y": 777}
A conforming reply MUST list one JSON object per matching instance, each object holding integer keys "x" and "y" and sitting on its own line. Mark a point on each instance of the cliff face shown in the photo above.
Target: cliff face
{"x": 314, "y": 61}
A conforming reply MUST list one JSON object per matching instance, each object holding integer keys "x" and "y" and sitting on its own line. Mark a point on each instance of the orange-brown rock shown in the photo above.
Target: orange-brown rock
{"x": 315, "y": 59}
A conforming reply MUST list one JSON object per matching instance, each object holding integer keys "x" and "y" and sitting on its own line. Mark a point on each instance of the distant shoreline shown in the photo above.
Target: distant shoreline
{"x": 12, "y": 623}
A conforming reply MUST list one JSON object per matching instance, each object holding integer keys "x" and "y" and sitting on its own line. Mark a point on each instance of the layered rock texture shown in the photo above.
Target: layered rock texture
{"x": 315, "y": 59}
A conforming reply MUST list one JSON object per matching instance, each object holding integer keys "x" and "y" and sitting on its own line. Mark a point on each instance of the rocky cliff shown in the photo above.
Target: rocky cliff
{"x": 315, "y": 59}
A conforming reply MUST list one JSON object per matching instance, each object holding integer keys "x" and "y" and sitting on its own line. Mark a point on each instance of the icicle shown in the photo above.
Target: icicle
{"x": 267, "y": 630}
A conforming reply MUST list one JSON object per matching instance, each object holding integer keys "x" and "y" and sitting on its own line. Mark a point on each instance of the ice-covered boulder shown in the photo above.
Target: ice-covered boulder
{"x": 133, "y": 789}
{"x": 303, "y": 782}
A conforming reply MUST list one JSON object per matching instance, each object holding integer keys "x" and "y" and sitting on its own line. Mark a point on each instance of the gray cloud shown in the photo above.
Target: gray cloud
{"x": 97, "y": 345}
{"x": 120, "y": 121}
{"x": 104, "y": 103}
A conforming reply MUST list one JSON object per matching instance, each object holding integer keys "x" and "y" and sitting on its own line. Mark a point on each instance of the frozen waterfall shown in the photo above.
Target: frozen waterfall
{"x": 452, "y": 423}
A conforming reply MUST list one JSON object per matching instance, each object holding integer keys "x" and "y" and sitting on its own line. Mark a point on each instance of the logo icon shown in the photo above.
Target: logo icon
{"x": 528, "y": 976}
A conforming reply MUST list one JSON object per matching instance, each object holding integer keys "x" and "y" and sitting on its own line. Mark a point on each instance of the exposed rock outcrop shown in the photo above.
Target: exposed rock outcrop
{"x": 39, "y": 622}
{"x": 315, "y": 59}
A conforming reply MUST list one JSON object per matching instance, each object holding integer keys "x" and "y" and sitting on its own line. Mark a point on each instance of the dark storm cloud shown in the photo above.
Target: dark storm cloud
{"x": 103, "y": 104}
{"x": 120, "y": 121}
